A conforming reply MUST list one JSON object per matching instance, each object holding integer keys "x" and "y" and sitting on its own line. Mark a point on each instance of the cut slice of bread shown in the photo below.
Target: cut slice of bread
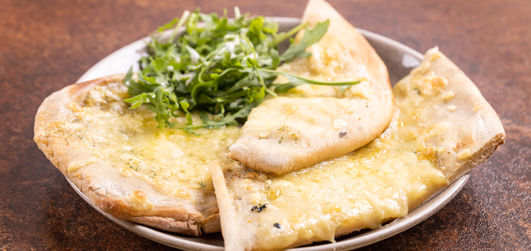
{"x": 466, "y": 129}
{"x": 125, "y": 164}
{"x": 315, "y": 123}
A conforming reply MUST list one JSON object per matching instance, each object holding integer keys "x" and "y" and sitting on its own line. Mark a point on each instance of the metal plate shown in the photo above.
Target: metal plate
{"x": 399, "y": 59}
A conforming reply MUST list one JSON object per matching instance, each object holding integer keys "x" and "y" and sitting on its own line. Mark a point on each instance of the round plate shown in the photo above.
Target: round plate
{"x": 399, "y": 59}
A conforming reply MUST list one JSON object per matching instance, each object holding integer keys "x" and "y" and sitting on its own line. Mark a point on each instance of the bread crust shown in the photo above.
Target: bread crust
{"x": 102, "y": 183}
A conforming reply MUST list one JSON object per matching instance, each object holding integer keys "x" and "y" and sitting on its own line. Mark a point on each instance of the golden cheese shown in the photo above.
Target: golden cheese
{"x": 172, "y": 161}
{"x": 360, "y": 190}
{"x": 328, "y": 63}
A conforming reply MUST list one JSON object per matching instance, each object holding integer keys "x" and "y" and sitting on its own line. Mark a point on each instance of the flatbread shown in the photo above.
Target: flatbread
{"x": 467, "y": 130}
{"x": 443, "y": 127}
{"x": 126, "y": 165}
{"x": 315, "y": 123}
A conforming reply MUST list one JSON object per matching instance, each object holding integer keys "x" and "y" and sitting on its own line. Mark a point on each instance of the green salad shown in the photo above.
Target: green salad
{"x": 218, "y": 67}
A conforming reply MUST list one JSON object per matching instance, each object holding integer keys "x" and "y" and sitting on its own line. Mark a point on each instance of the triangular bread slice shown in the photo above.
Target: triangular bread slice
{"x": 316, "y": 123}
{"x": 447, "y": 100}
{"x": 442, "y": 128}
{"x": 125, "y": 164}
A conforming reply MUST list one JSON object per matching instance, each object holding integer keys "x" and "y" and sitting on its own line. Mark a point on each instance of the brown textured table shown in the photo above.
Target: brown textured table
{"x": 45, "y": 45}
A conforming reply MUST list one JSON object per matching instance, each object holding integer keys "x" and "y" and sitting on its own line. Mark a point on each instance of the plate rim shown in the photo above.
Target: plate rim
{"x": 429, "y": 207}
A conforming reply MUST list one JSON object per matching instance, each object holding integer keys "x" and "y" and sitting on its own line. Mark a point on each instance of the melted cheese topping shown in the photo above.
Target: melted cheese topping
{"x": 360, "y": 190}
{"x": 330, "y": 61}
{"x": 172, "y": 161}
{"x": 452, "y": 118}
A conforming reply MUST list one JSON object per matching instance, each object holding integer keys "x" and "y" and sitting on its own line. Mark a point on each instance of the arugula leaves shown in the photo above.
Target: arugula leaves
{"x": 310, "y": 37}
{"x": 220, "y": 68}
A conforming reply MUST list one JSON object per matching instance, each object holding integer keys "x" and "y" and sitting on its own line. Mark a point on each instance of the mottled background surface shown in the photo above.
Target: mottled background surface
{"x": 45, "y": 45}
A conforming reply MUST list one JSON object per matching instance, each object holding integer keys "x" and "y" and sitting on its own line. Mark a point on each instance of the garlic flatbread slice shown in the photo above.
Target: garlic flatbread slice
{"x": 315, "y": 123}
{"x": 442, "y": 128}
{"x": 460, "y": 129}
{"x": 125, "y": 164}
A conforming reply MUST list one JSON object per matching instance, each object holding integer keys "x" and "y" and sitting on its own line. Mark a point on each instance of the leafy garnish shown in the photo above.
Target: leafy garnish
{"x": 310, "y": 37}
{"x": 220, "y": 68}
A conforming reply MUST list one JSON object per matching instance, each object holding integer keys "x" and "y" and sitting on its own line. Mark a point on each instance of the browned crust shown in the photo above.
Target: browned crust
{"x": 63, "y": 150}
{"x": 479, "y": 157}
